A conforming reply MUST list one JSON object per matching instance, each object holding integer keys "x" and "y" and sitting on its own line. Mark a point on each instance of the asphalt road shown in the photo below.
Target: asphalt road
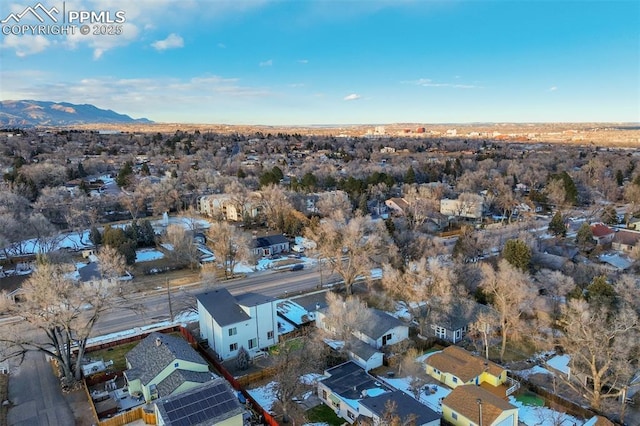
{"x": 155, "y": 304}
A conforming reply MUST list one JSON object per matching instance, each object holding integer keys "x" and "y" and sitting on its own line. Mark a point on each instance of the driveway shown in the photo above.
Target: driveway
{"x": 35, "y": 394}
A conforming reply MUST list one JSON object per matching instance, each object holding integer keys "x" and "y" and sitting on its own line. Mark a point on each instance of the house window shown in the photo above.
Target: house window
{"x": 454, "y": 416}
{"x": 458, "y": 334}
{"x": 269, "y": 335}
{"x": 233, "y": 331}
{"x": 253, "y": 343}
{"x": 176, "y": 365}
{"x": 324, "y": 394}
{"x": 233, "y": 347}
{"x": 441, "y": 332}
{"x": 455, "y": 379}
{"x": 351, "y": 415}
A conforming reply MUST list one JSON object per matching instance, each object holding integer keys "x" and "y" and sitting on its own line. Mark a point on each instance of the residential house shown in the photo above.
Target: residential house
{"x": 471, "y": 405}
{"x": 455, "y": 366}
{"x": 602, "y": 233}
{"x": 382, "y": 330}
{"x": 270, "y": 245}
{"x": 451, "y": 321}
{"x": 598, "y": 421}
{"x": 345, "y": 385}
{"x": 213, "y": 403}
{"x": 398, "y": 206}
{"x": 467, "y": 206}
{"x": 366, "y": 356}
{"x": 625, "y": 240}
{"x": 229, "y": 323}
{"x": 162, "y": 365}
{"x": 301, "y": 310}
{"x": 634, "y": 224}
{"x": 407, "y": 409}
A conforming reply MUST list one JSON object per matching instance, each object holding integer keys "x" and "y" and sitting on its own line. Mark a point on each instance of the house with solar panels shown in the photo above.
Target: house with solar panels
{"x": 162, "y": 365}
{"x": 213, "y": 403}
{"x": 230, "y": 322}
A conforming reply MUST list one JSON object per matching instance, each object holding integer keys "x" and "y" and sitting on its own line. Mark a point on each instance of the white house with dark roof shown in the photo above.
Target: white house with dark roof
{"x": 213, "y": 403}
{"x": 270, "y": 245}
{"x": 408, "y": 410}
{"x": 162, "y": 365}
{"x": 345, "y": 385}
{"x": 228, "y": 323}
{"x": 382, "y": 330}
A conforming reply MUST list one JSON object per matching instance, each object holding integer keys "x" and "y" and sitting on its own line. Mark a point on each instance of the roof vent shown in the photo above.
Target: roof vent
{"x": 158, "y": 341}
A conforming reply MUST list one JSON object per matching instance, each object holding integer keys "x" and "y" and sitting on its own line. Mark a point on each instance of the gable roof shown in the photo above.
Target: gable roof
{"x": 253, "y": 299}
{"x": 178, "y": 377}
{"x": 379, "y": 324}
{"x": 626, "y": 237}
{"x": 464, "y": 400}
{"x": 405, "y": 405}
{"x": 455, "y": 314}
{"x": 462, "y": 364}
{"x": 600, "y": 230}
{"x": 222, "y": 306}
{"x": 350, "y": 381}
{"x": 208, "y": 404}
{"x": 270, "y": 240}
{"x": 155, "y": 352}
{"x": 361, "y": 349}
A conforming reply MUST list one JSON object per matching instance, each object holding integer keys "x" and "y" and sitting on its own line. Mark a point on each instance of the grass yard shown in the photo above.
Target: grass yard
{"x": 515, "y": 351}
{"x": 323, "y": 414}
{"x": 529, "y": 398}
{"x": 4, "y": 395}
{"x": 294, "y": 344}
{"x": 115, "y": 353}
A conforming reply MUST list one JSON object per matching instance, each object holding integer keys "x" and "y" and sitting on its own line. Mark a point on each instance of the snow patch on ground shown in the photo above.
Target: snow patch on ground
{"x": 265, "y": 395}
{"x": 147, "y": 255}
{"x": 430, "y": 395}
{"x": 536, "y": 416}
{"x": 525, "y": 374}
{"x": 559, "y": 363}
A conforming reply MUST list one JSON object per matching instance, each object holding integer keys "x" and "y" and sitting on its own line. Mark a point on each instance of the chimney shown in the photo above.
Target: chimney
{"x": 158, "y": 341}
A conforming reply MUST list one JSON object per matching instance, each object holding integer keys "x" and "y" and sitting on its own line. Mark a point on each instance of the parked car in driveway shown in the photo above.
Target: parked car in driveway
{"x": 297, "y": 267}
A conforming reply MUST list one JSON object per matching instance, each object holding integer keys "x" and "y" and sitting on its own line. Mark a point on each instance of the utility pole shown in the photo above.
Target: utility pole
{"x": 169, "y": 299}
{"x": 479, "y": 402}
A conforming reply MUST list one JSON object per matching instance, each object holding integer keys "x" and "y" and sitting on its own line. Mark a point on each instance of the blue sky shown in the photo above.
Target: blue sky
{"x": 339, "y": 61}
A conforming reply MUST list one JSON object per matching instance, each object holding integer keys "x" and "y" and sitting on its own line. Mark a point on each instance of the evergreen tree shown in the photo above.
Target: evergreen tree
{"x": 609, "y": 215}
{"x": 600, "y": 293}
{"x": 81, "y": 172}
{"x": 410, "y": 176}
{"x": 241, "y": 174}
{"x": 124, "y": 175}
{"x": 557, "y": 226}
{"x": 518, "y": 254}
{"x": 144, "y": 170}
{"x": 95, "y": 236}
{"x": 619, "y": 177}
{"x": 584, "y": 237}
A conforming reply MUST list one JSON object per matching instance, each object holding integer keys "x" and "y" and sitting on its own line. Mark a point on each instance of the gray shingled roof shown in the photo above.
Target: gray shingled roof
{"x": 209, "y": 404}
{"x": 178, "y": 377}
{"x": 361, "y": 349}
{"x": 222, "y": 306}
{"x": 148, "y": 359}
{"x": 456, "y": 314}
{"x": 405, "y": 407}
{"x": 349, "y": 380}
{"x": 379, "y": 324}
{"x": 253, "y": 299}
{"x": 270, "y": 240}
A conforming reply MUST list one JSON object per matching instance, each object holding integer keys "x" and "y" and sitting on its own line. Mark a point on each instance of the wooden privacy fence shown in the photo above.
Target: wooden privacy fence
{"x": 130, "y": 416}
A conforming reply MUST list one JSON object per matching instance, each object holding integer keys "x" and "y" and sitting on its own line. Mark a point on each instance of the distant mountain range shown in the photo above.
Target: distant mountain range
{"x": 41, "y": 113}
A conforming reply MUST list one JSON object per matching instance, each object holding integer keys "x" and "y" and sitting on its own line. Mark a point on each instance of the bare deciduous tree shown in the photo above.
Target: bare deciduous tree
{"x": 183, "y": 249}
{"x": 508, "y": 289}
{"x": 350, "y": 247}
{"x": 600, "y": 344}
{"x": 229, "y": 244}
{"x": 344, "y": 316}
{"x": 65, "y": 311}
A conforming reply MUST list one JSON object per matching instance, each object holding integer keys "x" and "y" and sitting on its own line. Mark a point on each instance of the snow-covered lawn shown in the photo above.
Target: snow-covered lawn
{"x": 147, "y": 255}
{"x": 559, "y": 363}
{"x": 430, "y": 395}
{"x": 525, "y": 374}
{"x": 536, "y": 416}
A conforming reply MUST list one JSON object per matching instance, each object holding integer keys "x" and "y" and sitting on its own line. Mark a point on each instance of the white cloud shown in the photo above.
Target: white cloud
{"x": 552, "y": 89}
{"x": 267, "y": 63}
{"x": 303, "y": 61}
{"x": 173, "y": 41}
{"x": 25, "y": 45}
{"x": 352, "y": 97}
{"x": 427, "y": 82}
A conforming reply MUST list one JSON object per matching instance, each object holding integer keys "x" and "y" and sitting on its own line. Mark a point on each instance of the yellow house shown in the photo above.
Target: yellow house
{"x": 466, "y": 405}
{"x": 455, "y": 366}
{"x": 162, "y": 365}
